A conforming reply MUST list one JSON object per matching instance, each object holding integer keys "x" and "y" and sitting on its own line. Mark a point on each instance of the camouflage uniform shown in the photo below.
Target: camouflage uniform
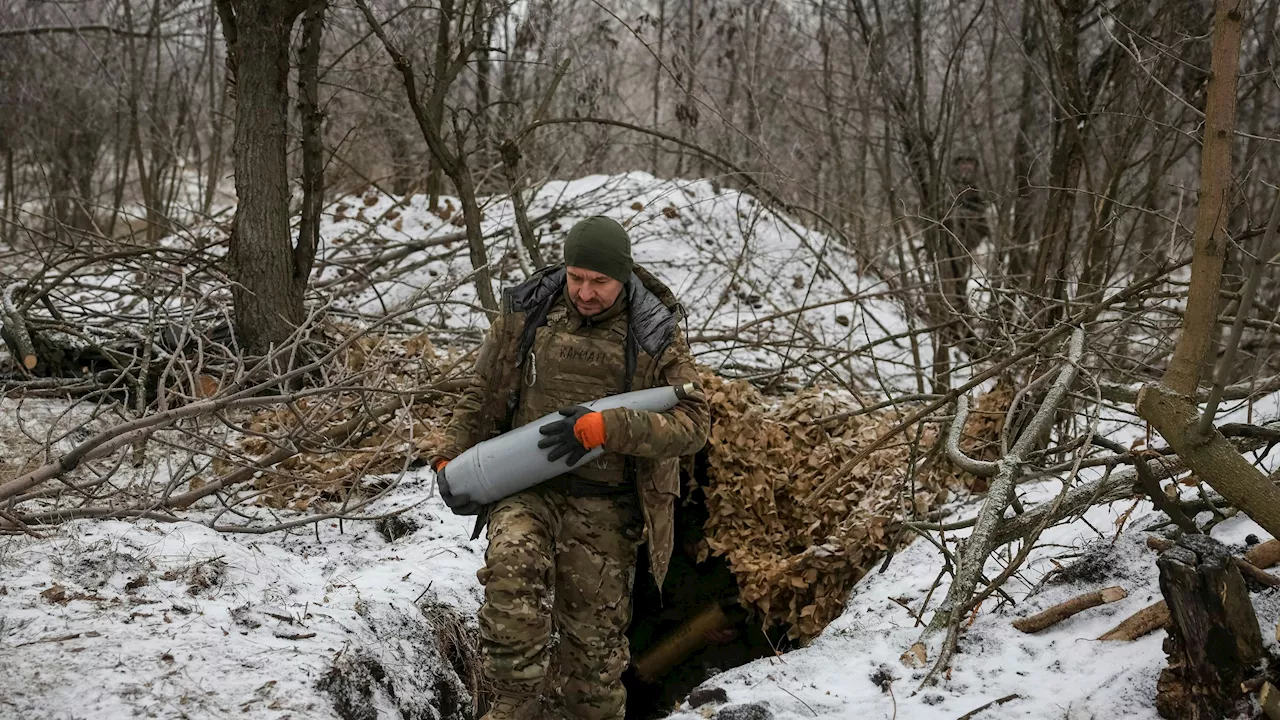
{"x": 578, "y": 533}
{"x": 966, "y": 227}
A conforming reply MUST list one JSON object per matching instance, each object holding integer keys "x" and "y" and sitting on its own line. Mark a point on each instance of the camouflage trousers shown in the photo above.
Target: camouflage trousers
{"x": 557, "y": 559}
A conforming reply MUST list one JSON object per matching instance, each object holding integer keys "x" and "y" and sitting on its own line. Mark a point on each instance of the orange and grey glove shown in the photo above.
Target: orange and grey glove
{"x": 459, "y": 504}
{"x": 580, "y": 432}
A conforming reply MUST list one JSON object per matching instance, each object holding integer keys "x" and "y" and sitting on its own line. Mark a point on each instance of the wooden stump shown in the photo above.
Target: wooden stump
{"x": 1214, "y": 640}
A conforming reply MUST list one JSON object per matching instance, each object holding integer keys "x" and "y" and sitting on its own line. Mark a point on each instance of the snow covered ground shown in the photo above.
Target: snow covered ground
{"x": 111, "y": 619}
{"x": 740, "y": 270}
{"x": 147, "y": 619}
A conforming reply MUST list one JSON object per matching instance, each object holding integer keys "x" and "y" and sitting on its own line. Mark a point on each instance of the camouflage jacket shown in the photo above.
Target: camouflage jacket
{"x": 656, "y": 354}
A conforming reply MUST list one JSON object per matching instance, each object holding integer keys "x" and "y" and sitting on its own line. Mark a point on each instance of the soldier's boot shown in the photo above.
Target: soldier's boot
{"x": 513, "y": 707}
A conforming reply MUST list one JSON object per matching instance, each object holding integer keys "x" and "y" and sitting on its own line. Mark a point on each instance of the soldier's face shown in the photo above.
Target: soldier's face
{"x": 592, "y": 292}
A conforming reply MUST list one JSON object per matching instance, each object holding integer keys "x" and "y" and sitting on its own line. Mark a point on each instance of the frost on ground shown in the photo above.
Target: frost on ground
{"x": 109, "y": 619}
{"x": 741, "y": 271}
{"x": 854, "y": 669}
{"x": 112, "y": 619}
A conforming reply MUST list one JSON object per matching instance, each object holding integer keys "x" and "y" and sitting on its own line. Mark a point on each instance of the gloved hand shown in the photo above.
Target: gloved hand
{"x": 460, "y": 504}
{"x": 578, "y": 433}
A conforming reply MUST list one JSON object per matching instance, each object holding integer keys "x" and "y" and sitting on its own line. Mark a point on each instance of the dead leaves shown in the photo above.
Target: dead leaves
{"x": 796, "y": 558}
{"x": 326, "y": 471}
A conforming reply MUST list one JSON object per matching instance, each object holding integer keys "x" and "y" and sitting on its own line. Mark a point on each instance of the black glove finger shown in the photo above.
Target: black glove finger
{"x": 559, "y": 451}
{"x": 456, "y": 501}
{"x": 547, "y": 442}
{"x": 576, "y": 456}
{"x": 571, "y": 411}
{"x": 553, "y": 428}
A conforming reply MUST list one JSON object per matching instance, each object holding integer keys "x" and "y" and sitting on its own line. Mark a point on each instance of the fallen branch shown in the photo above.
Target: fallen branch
{"x": 1064, "y": 610}
{"x": 998, "y": 701}
{"x": 1146, "y": 620}
{"x": 983, "y": 539}
{"x": 1211, "y": 456}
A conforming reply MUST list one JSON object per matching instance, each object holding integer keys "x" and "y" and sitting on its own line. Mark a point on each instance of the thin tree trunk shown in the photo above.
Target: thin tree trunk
{"x": 10, "y": 197}
{"x": 435, "y": 107}
{"x": 304, "y": 252}
{"x": 1196, "y": 341}
{"x": 217, "y": 120}
{"x": 658, "y": 69}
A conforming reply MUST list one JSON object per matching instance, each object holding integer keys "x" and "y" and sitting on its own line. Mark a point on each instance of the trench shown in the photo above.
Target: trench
{"x": 690, "y": 589}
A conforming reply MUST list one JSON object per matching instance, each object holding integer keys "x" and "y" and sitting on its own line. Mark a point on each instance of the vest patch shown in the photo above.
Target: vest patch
{"x": 565, "y": 352}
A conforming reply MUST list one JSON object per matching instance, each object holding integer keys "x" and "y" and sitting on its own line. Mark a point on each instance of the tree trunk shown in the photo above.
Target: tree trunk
{"x": 304, "y": 252}
{"x": 1196, "y": 340}
{"x": 1213, "y": 639}
{"x": 10, "y": 197}
{"x": 435, "y": 106}
{"x": 268, "y": 304}
{"x": 658, "y": 69}
{"x": 1213, "y": 458}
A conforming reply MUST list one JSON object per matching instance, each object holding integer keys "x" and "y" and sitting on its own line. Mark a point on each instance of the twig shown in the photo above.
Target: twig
{"x": 999, "y": 701}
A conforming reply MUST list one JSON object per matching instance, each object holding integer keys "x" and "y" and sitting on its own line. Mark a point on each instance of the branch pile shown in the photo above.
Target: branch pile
{"x": 325, "y": 472}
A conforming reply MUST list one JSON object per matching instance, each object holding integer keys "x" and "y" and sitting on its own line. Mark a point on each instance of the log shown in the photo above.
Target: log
{"x": 1264, "y": 555}
{"x": 1213, "y": 640}
{"x": 1269, "y": 699}
{"x": 1148, "y": 619}
{"x": 1064, "y": 610}
{"x": 681, "y": 643}
{"x": 1247, "y": 568}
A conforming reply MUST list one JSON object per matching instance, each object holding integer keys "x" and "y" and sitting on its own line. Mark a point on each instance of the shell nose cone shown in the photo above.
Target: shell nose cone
{"x": 684, "y": 391}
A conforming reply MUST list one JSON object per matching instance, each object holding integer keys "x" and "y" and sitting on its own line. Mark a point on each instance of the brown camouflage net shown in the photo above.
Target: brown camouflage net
{"x": 795, "y": 561}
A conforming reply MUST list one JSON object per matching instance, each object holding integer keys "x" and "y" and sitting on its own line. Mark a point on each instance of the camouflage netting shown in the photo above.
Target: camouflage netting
{"x": 796, "y": 556}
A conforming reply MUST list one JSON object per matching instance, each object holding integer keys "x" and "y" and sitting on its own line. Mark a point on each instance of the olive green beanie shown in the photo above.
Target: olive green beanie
{"x": 599, "y": 244}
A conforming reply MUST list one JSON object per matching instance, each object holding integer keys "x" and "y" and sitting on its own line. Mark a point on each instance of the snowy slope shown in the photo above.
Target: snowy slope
{"x": 116, "y": 619}
{"x": 853, "y": 670}
{"x": 109, "y": 619}
{"x": 734, "y": 265}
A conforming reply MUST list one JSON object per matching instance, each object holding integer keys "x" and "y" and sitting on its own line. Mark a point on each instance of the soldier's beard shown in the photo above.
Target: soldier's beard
{"x": 588, "y": 309}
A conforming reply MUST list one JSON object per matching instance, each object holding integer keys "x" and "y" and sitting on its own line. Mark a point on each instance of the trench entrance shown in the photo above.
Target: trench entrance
{"x": 694, "y": 628}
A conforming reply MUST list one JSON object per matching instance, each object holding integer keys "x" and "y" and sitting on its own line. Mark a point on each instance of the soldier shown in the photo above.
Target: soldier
{"x": 563, "y": 553}
{"x": 966, "y": 228}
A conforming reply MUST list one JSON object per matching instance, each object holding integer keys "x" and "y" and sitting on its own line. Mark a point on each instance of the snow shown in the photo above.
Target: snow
{"x": 1061, "y": 672}
{"x": 732, "y": 263}
{"x": 208, "y": 634}
{"x": 113, "y": 619}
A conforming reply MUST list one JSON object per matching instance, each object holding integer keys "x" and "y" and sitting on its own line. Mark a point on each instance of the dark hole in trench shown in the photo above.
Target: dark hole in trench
{"x": 690, "y": 587}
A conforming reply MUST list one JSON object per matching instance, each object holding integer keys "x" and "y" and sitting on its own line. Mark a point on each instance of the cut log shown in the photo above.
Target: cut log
{"x": 1148, "y": 619}
{"x": 1269, "y": 699}
{"x": 1247, "y": 568}
{"x": 1264, "y": 555}
{"x": 1064, "y": 610}
{"x": 1213, "y": 640}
